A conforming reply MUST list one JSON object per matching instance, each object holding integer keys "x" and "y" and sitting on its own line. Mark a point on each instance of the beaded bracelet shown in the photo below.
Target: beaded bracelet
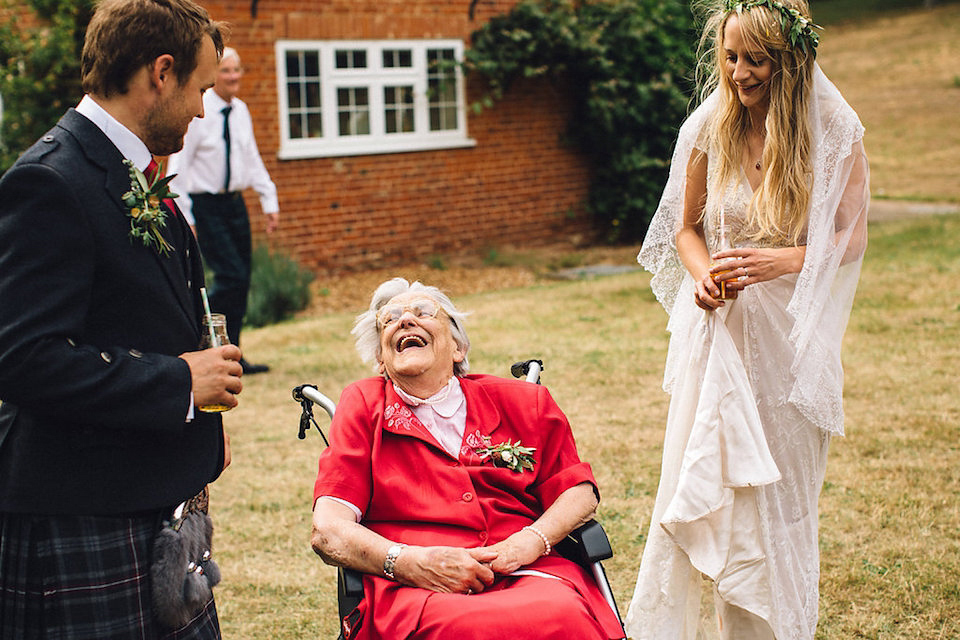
{"x": 539, "y": 534}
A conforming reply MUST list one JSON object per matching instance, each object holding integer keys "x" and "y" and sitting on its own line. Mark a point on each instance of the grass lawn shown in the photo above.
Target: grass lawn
{"x": 901, "y": 72}
{"x": 890, "y": 519}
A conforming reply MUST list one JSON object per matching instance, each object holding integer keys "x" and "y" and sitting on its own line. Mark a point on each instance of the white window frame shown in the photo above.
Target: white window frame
{"x": 374, "y": 77}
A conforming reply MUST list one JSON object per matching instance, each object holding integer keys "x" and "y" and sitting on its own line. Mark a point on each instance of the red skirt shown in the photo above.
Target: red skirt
{"x": 521, "y": 607}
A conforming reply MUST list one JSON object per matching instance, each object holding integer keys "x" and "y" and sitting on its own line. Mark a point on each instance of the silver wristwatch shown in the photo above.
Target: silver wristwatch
{"x": 390, "y": 562}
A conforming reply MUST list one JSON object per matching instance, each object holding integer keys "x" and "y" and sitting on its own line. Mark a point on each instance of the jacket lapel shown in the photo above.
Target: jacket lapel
{"x": 398, "y": 418}
{"x": 105, "y": 155}
{"x": 483, "y": 418}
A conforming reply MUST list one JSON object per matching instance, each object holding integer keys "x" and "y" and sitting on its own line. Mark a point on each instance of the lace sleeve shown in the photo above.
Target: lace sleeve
{"x": 836, "y": 240}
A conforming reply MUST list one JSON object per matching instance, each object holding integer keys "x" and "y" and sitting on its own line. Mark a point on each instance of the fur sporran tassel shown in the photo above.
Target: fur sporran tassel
{"x": 183, "y": 572}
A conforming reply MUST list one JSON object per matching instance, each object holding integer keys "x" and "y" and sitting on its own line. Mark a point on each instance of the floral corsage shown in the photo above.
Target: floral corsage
{"x": 515, "y": 457}
{"x": 147, "y": 217}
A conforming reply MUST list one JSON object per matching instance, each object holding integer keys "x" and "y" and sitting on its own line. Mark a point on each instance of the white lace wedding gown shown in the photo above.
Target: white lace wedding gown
{"x": 755, "y": 397}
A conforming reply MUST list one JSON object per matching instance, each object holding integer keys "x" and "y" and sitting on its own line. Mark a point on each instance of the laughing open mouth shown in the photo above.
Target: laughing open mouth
{"x": 410, "y": 341}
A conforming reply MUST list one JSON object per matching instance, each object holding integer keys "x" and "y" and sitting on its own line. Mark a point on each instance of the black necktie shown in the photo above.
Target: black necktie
{"x": 226, "y": 139}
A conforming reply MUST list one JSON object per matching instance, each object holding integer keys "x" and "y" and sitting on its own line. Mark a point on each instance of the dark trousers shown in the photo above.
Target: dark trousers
{"x": 223, "y": 231}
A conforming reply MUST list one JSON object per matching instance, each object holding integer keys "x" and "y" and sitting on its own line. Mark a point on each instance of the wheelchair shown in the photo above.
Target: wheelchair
{"x": 587, "y": 545}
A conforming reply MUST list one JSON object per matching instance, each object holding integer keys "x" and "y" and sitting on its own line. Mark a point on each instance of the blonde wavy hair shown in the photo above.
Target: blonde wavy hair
{"x": 779, "y": 209}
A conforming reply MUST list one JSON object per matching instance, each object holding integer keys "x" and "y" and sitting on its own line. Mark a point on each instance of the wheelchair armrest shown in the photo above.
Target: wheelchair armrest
{"x": 349, "y": 590}
{"x": 351, "y": 582}
{"x": 586, "y": 544}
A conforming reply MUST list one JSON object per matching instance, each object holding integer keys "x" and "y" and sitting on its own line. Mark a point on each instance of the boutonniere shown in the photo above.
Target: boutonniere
{"x": 147, "y": 216}
{"x": 515, "y": 457}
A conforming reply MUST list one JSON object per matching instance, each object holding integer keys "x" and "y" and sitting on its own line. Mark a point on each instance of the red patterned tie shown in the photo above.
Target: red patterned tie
{"x": 151, "y": 174}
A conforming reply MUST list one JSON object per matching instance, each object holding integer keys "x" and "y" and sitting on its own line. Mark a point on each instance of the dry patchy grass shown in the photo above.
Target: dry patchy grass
{"x": 889, "y": 513}
{"x": 901, "y": 72}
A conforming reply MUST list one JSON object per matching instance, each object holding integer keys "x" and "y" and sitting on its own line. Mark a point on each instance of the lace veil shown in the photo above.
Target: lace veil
{"x": 836, "y": 240}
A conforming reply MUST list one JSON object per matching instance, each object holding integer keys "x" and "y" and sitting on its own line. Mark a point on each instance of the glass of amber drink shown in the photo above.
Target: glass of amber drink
{"x": 214, "y": 335}
{"x": 723, "y": 283}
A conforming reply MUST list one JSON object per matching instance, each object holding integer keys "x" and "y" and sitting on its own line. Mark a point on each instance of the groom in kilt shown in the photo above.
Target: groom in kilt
{"x": 100, "y": 322}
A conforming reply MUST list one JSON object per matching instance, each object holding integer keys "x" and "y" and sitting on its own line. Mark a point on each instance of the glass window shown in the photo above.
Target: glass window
{"x": 397, "y": 58}
{"x": 370, "y": 96}
{"x": 398, "y": 109}
{"x": 353, "y": 108}
{"x": 351, "y": 59}
{"x": 442, "y": 89}
{"x": 304, "y": 104}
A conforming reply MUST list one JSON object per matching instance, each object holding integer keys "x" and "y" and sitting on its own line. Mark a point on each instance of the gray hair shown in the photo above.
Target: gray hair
{"x": 229, "y": 52}
{"x": 367, "y": 333}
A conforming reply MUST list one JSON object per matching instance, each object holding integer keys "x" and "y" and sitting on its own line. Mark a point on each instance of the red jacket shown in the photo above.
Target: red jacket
{"x": 410, "y": 490}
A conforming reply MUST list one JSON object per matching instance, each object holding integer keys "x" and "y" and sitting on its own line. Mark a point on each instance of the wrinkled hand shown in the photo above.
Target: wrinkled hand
{"x": 446, "y": 569}
{"x": 519, "y": 550}
{"x": 215, "y": 375}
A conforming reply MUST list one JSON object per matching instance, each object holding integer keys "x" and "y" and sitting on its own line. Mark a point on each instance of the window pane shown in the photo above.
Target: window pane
{"x": 450, "y": 117}
{"x": 293, "y": 95}
{"x": 296, "y": 130}
{"x": 293, "y": 63}
{"x": 351, "y": 59}
{"x": 313, "y": 95}
{"x": 442, "y": 89}
{"x": 398, "y": 112}
{"x": 397, "y": 58}
{"x": 311, "y": 64}
{"x": 353, "y": 112}
{"x": 314, "y": 125}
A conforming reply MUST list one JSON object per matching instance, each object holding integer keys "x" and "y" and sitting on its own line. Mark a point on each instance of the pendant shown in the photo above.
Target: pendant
{"x": 758, "y": 165}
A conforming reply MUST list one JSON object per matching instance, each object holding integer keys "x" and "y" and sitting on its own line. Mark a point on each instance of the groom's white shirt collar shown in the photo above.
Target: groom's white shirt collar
{"x": 130, "y": 146}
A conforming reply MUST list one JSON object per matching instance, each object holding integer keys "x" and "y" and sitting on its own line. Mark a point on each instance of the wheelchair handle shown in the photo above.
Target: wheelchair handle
{"x": 311, "y": 393}
{"x": 529, "y": 368}
{"x": 308, "y": 395}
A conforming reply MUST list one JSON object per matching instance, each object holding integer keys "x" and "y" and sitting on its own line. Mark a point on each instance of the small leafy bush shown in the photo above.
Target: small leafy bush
{"x": 40, "y": 45}
{"x": 629, "y": 63}
{"x": 279, "y": 288}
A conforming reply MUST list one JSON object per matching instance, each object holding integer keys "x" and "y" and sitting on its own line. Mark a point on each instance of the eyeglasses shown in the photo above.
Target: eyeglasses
{"x": 422, "y": 308}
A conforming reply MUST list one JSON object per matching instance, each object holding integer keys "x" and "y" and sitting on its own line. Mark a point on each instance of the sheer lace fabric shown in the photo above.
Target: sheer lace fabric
{"x": 752, "y": 532}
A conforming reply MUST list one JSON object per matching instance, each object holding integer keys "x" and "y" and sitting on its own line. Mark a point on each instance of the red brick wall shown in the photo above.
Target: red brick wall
{"x": 519, "y": 186}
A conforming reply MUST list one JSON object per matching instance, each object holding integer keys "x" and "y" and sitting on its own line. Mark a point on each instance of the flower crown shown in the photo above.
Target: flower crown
{"x": 797, "y": 27}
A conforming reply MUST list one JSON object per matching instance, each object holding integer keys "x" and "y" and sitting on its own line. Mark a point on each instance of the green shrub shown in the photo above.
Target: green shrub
{"x": 629, "y": 63}
{"x": 39, "y": 68}
{"x": 279, "y": 288}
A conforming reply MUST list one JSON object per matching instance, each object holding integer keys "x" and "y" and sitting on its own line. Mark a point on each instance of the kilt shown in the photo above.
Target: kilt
{"x": 69, "y": 577}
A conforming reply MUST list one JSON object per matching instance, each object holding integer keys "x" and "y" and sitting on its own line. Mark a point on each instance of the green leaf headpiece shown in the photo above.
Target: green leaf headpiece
{"x": 797, "y": 27}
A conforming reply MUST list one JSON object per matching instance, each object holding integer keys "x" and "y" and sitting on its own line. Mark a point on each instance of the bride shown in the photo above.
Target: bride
{"x": 756, "y": 250}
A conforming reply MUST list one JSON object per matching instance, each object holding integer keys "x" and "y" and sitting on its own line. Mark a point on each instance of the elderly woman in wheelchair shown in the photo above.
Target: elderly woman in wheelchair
{"x": 449, "y": 491}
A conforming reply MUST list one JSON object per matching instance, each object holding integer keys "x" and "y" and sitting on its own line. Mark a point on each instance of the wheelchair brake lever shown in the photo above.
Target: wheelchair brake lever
{"x": 305, "y": 416}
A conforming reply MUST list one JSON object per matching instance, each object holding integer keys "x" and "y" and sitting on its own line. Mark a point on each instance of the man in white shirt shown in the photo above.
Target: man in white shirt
{"x": 218, "y": 161}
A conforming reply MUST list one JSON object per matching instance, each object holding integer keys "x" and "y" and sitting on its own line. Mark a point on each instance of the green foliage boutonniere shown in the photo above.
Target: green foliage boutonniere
{"x": 515, "y": 457}
{"x": 147, "y": 216}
